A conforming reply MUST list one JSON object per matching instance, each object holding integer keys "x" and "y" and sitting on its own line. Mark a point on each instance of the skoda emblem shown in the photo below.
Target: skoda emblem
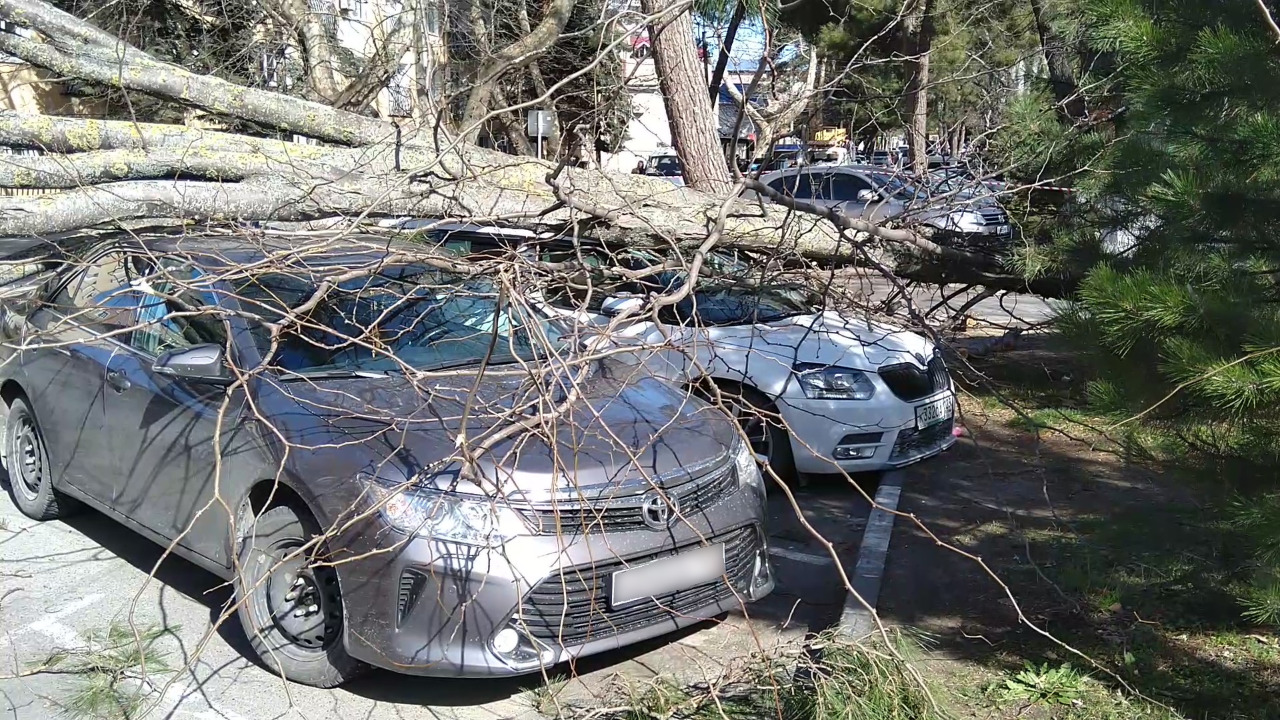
{"x": 658, "y": 510}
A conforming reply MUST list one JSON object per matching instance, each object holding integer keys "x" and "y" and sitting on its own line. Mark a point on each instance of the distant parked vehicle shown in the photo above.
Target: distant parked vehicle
{"x": 964, "y": 182}
{"x": 665, "y": 166}
{"x": 877, "y": 195}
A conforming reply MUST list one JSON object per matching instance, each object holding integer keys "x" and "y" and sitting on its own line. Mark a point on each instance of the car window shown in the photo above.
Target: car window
{"x": 845, "y": 188}
{"x": 99, "y": 296}
{"x": 797, "y": 186}
{"x": 166, "y": 302}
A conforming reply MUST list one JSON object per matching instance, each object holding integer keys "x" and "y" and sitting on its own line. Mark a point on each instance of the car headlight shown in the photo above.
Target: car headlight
{"x": 744, "y": 462}
{"x": 831, "y": 382}
{"x": 447, "y": 516}
{"x": 970, "y": 222}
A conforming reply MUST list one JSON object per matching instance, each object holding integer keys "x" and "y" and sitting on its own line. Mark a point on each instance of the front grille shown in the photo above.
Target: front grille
{"x": 938, "y": 374}
{"x": 912, "y": 443}
{"x": 624, "y": 513}
{"x": 994, "y": 216}
{"x": 572, "y": 607}
{"x": 911, "y": 382}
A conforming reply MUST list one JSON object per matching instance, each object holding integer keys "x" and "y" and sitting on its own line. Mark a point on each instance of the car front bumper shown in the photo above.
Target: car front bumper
{"x": 422, "y": 607}
{"x": 884, "y": 425}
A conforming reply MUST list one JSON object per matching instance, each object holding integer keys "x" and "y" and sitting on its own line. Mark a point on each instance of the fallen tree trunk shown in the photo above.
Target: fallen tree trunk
{"x": 112, "y": 171}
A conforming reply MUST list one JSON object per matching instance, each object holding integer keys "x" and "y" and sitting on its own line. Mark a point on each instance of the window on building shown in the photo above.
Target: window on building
{"x": 400, "y": 93}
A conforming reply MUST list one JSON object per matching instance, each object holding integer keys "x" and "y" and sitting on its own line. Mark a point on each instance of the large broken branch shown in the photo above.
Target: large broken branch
{"x": 106, "y": 172}
{"x": 142, "y": 73}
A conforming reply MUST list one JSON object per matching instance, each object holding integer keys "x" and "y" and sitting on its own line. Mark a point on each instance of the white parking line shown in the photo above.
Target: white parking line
{"x": 51, "y": 628}
{"x": 798, "y": 556}
{"x": 872, "y": 554}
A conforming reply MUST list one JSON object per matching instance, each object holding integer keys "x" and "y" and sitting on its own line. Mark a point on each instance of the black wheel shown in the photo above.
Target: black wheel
{"x": 290, "y": 608}
{"x": 763, "y": 428}
{"x": 27, "y": 460}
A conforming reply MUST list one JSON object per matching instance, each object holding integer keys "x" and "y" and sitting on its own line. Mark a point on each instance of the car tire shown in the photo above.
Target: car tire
{"x": 758, "y": 418}
{"x": 30, "y": 475}
{"x": 290, "y": 608}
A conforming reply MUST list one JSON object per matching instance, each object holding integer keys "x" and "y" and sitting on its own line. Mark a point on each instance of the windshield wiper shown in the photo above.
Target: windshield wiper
{"x": 334, "y": 374}
{"x": 469, "y": 362}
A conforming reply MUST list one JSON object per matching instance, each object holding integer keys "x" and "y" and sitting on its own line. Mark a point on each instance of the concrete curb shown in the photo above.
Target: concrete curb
{"x": 872, "y": 554}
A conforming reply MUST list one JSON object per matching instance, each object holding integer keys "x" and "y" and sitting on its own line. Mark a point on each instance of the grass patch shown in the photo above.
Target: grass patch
{"x": 843, "y": 681}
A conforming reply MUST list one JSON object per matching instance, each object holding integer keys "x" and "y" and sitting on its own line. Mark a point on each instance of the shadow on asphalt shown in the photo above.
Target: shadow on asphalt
{"x": 174, "y": 573}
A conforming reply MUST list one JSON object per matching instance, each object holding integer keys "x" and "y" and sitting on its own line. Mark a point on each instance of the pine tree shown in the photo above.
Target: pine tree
{"x": 1184, "y": 326}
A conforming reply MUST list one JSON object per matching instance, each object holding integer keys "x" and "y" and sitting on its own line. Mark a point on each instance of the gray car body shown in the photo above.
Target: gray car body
{"x": 139, "y": 446}
{"x": 977, "y": 216}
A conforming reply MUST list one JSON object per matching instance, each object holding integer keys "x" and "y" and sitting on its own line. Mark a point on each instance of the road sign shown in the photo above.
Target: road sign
{"x": 540, "y": 123}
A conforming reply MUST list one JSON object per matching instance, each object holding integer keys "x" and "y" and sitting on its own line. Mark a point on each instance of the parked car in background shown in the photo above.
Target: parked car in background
{"x": 639, "y": 512}
{"x": 883, "y": 158}
{"x": 665, "y": 166}
{"x": 877, "y": 195}
{"x": 815, "y": 391}
{"x": 964, "y": 182}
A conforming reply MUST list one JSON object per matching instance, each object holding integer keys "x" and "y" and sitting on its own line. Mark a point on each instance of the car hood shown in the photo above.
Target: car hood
{"x": 832, "y": 338}
{"x": 619, "y": 431}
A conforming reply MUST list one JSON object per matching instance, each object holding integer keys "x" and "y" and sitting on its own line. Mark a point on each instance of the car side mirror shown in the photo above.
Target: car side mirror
{"x": 618, "y": 304}
{"x": 199, "y": 363}
{"x": 867, "y": 196}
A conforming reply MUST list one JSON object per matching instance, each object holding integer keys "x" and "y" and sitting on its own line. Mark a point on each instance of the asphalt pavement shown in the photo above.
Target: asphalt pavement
{"x": 61, "y": 581}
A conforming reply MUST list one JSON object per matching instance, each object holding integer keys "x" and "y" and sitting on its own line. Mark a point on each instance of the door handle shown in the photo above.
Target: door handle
{"x": 118, "y": 380}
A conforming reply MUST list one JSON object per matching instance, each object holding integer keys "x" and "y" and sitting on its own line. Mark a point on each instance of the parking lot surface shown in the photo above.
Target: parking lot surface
{"x": 61, "y": 581}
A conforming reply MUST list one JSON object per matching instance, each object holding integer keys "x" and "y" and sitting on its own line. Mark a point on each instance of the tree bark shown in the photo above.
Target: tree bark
{"x": 323, "y": 78}
{"x": 680, "y": 77}
{"x": 726, "y": 47}
{"x": 918, "y": 35}
{"x": 1062, "y": 76}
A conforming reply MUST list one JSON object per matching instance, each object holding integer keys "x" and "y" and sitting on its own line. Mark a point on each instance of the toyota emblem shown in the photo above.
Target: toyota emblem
{"x": 658, "y": 510}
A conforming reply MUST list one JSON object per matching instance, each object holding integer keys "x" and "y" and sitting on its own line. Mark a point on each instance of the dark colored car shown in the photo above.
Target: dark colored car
{"x": 292, "y": 425}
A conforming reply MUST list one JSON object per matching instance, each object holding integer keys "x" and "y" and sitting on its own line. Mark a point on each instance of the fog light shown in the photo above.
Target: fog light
{"x": 854, "y": 452}
{"x": 506, "y": 641}
{"x": 761, "y": 574}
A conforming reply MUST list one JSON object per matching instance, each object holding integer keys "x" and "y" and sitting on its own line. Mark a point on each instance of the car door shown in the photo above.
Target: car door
{"x": 851, "y": 192}
{"x": 169, "y": 477}
{"x": 85, "y": 324}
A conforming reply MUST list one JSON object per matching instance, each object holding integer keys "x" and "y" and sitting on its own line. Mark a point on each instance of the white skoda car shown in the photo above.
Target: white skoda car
{"x": 815, "y": 391}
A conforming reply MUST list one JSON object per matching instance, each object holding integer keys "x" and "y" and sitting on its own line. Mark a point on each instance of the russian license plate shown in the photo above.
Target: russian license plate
{"x": 932, "y": 413}
{"x": 667, "y": 575}
{"x": 1003, "y": 230}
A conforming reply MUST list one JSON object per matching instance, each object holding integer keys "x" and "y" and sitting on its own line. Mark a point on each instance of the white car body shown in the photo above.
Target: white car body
{"x": 883, "y": 430}
{"x": 762, "y": 356}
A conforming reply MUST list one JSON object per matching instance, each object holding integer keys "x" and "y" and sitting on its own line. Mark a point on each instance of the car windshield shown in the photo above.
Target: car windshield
{"x": 402, "y": 316}
{"x": 739, "y": 305}
{"x": 896, "y": 187}
{"x": 664, "y": 165}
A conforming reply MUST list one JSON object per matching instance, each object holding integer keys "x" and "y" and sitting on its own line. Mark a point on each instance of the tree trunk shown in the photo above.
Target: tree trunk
{"x": 1062, "y": 77}
{"x": 693, "y": 125}
{"x": 726, "y": 47}
{"x": 513, "y": 56}
{"x": 919, "y": 41}
{"x": 323, "y": 77}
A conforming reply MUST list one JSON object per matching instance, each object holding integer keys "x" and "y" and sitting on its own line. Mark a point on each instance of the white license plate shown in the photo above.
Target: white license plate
{"x": 1002, "y": 230}
{"x": 666, "y": 575}
{"x": 932, "y": 413}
